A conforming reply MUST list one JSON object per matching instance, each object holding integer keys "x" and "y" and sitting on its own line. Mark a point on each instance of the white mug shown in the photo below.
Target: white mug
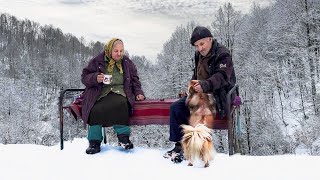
{"x": 107, "y": 79}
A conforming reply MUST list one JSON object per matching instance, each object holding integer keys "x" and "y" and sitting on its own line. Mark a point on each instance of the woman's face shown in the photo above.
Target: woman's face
{"x": 117, "y": 51}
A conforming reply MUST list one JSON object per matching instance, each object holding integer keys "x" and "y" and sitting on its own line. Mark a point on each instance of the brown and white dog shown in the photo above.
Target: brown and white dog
{"x": 197, "y": 139}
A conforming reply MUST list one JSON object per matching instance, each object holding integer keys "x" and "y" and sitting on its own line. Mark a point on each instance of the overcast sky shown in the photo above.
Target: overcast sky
{"x": 144, "y": 25}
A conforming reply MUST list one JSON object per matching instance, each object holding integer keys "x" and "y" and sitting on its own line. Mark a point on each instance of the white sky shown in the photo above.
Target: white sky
{"x": 144, "y": 25}
{"x": 34, "y": 162}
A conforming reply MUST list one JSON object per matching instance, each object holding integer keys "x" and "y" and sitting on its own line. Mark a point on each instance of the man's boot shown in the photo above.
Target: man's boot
{"x": 176, "y": 154}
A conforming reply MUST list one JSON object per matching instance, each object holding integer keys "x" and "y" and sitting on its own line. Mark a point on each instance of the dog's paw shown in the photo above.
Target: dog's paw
{"x": 177, "y": 157}
{"x": 206, "y": 165}
{"x": 167, "y": 155}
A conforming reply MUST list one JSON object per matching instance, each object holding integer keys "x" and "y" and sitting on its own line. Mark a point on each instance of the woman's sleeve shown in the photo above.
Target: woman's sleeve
{"x": 135, "y": 81}
{"x": 89, "y": 75}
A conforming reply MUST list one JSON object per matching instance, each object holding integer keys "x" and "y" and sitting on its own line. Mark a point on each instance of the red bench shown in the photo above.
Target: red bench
{"x": 145, "y": 112}
{"x": 149, "y": 112}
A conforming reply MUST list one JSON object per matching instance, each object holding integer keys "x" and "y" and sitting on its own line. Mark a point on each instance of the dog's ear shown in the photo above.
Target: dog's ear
{"x": 211, "y": 100}
{"x": 208, "y": 138}
{"x": 211, "y": 104}
{"x": 190, "y": 90}
{"x": 190, "y": 86}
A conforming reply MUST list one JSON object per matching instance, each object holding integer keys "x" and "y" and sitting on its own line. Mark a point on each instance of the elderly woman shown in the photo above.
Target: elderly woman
{"x": 112, "y": 86}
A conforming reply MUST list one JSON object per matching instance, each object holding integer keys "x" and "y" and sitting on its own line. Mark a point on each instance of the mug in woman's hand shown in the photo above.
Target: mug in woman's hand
{"x": 107, "y": 79}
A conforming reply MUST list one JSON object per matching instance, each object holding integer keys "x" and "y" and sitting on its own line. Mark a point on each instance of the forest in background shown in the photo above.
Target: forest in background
{"x": 276, "y": 57}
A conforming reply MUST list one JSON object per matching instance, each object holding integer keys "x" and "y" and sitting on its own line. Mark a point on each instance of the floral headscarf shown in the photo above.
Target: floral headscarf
{"x": 108, "y": 51}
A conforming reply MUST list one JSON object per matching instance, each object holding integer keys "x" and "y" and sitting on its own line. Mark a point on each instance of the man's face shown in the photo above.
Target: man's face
{"x": 203, "y": 45}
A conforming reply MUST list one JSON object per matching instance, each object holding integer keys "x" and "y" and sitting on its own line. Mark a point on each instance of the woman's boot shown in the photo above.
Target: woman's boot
{"x": 124, "y": 141}
{"x": 94, "y": 147}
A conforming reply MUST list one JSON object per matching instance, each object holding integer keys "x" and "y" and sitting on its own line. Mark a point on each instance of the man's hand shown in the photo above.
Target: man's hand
{"x": 197, "y": 87}
{"x": 100, "y": 78}
{"x": 140, "y": 97}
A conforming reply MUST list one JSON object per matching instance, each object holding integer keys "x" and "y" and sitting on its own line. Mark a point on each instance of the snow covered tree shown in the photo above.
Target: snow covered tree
{"x": 226, "y": 24}
{"x": 175, "y": 62}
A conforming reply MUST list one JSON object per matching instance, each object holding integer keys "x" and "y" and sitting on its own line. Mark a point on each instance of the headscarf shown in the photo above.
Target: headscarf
{"x": 108, "y": 51}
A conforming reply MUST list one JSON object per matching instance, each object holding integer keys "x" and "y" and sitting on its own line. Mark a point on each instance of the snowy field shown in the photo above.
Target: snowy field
{"x": 34, "y": 162}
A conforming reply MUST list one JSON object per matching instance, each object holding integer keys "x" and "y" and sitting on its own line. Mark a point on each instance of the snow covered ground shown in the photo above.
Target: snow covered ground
{"x": 34, "y": 162}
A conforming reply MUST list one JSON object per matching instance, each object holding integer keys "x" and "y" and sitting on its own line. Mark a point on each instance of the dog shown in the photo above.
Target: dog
{"x": 197, "y": 140}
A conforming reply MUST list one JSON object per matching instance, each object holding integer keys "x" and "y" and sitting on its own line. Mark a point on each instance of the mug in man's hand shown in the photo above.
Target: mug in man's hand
{"x": 107, "y": 79}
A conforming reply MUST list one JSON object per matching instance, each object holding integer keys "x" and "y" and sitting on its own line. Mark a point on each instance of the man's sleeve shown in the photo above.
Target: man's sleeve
{"x": 221, "y": 77}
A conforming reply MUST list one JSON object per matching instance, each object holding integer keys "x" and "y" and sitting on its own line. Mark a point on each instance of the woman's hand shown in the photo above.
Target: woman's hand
{"x": 100, "y": 78}
{"x": 140, "y": 97}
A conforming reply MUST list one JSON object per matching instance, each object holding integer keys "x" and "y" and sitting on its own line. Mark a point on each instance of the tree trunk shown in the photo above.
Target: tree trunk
{"x": 311, "y": 61}
{"x": 302, "y": 101}
{"x": 247, "y": 116}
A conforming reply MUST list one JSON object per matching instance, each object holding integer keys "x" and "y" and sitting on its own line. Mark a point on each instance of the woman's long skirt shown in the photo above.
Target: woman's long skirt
{"x": 110, "y": 110}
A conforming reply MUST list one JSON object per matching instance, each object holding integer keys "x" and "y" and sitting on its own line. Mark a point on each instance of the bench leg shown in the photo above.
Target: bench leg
{"x": 61, "y": 126}
{"x": 238, "y": 141}
{"x": 104, "y": 135}
{"x": 231, "y": 136}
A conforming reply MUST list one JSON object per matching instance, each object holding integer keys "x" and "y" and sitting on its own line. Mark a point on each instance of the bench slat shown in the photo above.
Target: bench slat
{"x": 151, "y": 112}
{"x": 158, "y": 112}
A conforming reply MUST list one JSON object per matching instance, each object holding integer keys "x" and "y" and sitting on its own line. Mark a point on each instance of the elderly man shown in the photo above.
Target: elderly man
{"x": 215, "y": 74}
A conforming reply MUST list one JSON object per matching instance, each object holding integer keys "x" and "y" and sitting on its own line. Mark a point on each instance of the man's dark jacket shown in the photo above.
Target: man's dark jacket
{"x": 222, "y": 76}
{"x": 131, "y": 82}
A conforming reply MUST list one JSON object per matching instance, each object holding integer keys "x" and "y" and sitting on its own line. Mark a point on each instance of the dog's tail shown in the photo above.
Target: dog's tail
{"x": 196, "y": 136}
